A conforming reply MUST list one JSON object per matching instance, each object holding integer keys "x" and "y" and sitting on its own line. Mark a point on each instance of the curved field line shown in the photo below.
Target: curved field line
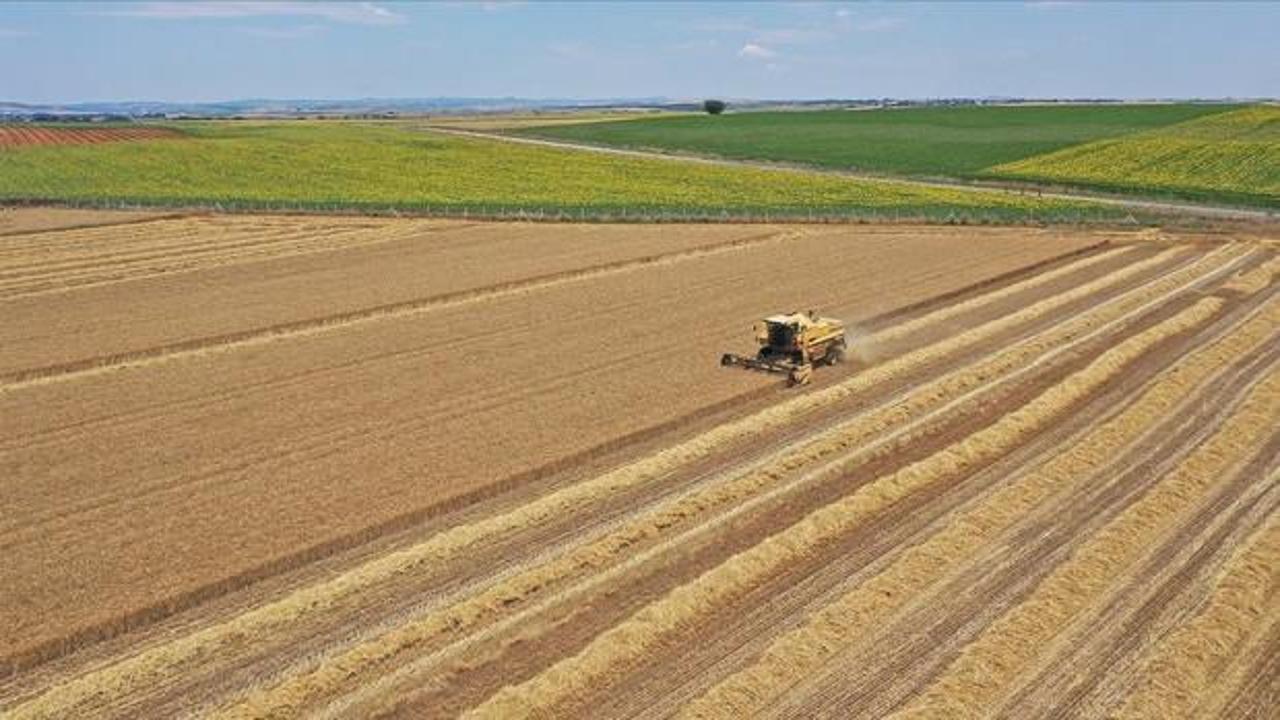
{"x": 233, "y": 341}
{"x": 758, "y": 484}
{"x": 978, "y": 678}
{"x": 143, "y": 668}
{"x": 967, "y": 186}
{"x": 854, "y": 616}
{"x": 611, "y": 651}
{"x": 1256, "y": 279}
{"x": 148, "y": 259}
{"x": 148, "y": 246}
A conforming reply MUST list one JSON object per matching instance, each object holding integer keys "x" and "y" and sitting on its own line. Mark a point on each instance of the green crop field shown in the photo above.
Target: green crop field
{"x": 1232, "y": 156}
{"x": 940, "y": 142}
{"x": 381, "y": 167}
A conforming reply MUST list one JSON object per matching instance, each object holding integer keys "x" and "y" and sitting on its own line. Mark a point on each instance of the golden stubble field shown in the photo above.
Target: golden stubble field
{"x": 288, "y": 465}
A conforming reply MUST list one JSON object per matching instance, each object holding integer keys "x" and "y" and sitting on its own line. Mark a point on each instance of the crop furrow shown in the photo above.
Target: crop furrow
{"x": 857, "y": 614}
{"x": 876, "y": 422}
{"x": 985, "y": 670}
{"x": 1185, "y": 667}
{"x": 611, "y": 652}
{"x": 641, "y": 472}
{"x": 233, "y": 341}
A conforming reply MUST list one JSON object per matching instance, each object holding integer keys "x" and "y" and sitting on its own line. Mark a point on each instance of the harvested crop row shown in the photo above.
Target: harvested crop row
{"x": 1188, "y": 663}
{"x": 688, "y": 509}
{"x": 461, "y": 447}
{"x": 22, "y": 221}
{"x": 911, "y": 327}
{"x": 393, "y": 262}
{"x": 171, "y": 657}
{"x": 342, "y": 321}
{"x": 194, "y": 242}
{"x": 78, "y": 260}
{"x": 855, "y": 616}
{"x": 609, "y": 654}
{"x": 872, "y": 434}
{"x": 989, "y": 666}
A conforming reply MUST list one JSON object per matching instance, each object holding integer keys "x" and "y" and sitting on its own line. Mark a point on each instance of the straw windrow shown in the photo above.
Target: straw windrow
{"x": 610, "y": 653}
{"x": 1184, "y": 669}
{"x": 689, "y": 510}
{"x": 857, "y": 614}
{"x": 169, "y": 658}
{"x": 987, "y": 667}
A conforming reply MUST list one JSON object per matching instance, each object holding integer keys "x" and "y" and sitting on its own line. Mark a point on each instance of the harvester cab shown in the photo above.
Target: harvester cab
{"x": 793, "y": 344}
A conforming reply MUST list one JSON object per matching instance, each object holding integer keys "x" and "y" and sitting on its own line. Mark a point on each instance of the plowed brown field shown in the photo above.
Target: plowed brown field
{"x": 20, "y": 220}
{"x": 281, "y": 466}
{"x": 20, "y": 135}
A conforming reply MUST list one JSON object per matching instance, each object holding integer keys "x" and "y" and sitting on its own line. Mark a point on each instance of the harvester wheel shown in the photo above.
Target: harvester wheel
{"x": 835, "y": 354}
{"x": 801, "y": 375}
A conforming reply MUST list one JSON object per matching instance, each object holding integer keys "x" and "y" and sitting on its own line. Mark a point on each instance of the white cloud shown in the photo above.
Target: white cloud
{"x": 355, "y": 13}
{"x": 752, "y": 50}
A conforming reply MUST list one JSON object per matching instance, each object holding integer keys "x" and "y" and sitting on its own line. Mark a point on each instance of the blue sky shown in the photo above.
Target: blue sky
{"x": 201, "y": 51}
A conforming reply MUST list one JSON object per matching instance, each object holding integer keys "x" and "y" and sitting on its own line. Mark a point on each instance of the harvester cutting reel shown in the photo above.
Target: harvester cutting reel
{"x": 797, "y": 373}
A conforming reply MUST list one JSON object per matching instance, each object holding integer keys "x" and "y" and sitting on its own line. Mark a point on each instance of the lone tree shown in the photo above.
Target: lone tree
{"x": 713, "y": 107}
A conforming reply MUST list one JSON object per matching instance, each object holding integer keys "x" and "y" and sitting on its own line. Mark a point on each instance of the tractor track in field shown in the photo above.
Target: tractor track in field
{"x": 728, "y": 613}
{"x": 468, "y": 500}
{"x": 940, "y": 626}
{"x": 399, "y": 522}
{"x": 224, "y": 343}
{"x": 859, "y": 556}
{"x": 854, "y": 545}
{"x": 525, "y": 650}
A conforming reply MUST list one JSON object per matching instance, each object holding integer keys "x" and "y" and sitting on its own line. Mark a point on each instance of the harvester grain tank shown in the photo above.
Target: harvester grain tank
{"x": 792, "y": 344}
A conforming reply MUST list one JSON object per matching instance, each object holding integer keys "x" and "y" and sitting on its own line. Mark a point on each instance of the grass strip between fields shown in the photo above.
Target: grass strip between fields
{"x": 856, "y": 615}
{"x": 978, "y": 678}
{"x": 610, "y": 653}
{"x": 685, "y": 510}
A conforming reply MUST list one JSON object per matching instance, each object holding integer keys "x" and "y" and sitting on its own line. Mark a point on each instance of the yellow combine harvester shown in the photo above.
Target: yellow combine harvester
{"x": 793, "y": 344}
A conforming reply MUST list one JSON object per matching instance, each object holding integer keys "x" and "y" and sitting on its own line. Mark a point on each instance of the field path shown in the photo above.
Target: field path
{"x": 1136, "y": 203}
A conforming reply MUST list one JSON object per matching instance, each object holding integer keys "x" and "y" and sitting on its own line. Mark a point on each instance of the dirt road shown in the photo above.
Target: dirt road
{"x": 1162, "y": 206}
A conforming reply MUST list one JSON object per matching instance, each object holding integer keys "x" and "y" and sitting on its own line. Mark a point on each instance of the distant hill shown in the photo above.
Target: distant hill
{"x": 302, "y": 107}
{"x": 265, "y": 107}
